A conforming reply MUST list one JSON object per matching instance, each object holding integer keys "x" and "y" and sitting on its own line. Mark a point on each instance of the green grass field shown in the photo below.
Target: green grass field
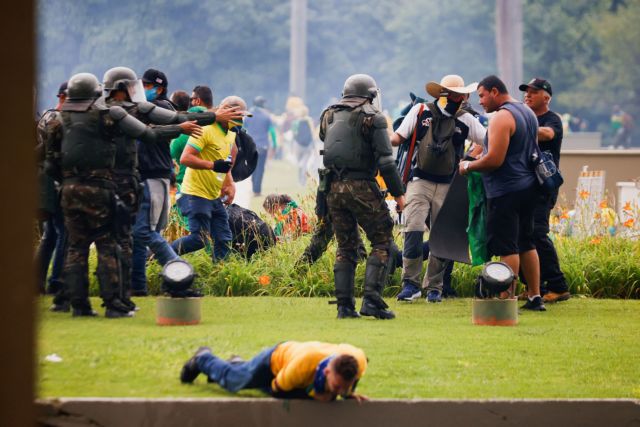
{"x": 582, "y": 348}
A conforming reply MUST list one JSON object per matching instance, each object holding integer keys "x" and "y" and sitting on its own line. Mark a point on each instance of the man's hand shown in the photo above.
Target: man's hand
{"x": 228, "y": 189}
{"x": 191, "y": 128}
{"x": 358, "y": 397}
{"x": 228, "y": 113}
{"x": 463, "y": 167}
{"x": 400, "y": 203}
{"x": 222, "y": 166}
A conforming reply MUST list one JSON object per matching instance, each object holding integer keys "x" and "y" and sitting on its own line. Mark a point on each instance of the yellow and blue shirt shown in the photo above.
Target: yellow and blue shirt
{"x": 299, "y": 365}
{"x": 214, "y": 144}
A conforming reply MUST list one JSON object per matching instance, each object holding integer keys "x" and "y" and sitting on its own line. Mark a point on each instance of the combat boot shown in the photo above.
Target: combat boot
{"x": 344, "y": 274}
{"x": 115, "y": 309}
{"x": 374, "y": 279}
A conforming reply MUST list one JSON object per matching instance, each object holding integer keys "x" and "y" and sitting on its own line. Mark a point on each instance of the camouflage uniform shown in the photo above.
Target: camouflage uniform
{"x": 322, "y": 235}
{"x": 356, "y": 147}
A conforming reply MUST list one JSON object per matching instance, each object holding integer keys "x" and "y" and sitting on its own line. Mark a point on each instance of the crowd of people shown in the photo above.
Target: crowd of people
{"x": 110, "y": 152}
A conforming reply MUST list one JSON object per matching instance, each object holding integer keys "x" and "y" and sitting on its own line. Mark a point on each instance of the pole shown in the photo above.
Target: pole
{"x": 509, "y": 43}
{"x": 298, "y": 53}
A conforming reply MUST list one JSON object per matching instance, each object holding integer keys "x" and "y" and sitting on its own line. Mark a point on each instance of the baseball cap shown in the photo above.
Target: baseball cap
{"x": 155, "y": 77}
{"x": 537, "y": 83}
{"x": 62, "y": 90}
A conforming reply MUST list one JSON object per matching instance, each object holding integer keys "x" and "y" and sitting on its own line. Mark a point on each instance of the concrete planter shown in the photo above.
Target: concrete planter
{"x": 178, "y": 311}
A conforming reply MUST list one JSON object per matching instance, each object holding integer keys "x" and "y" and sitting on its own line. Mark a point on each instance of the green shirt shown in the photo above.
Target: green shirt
{"x": 177, "y": 146}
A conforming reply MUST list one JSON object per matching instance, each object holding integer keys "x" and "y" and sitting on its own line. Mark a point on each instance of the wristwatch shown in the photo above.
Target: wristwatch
{"x": 465, "y": 165}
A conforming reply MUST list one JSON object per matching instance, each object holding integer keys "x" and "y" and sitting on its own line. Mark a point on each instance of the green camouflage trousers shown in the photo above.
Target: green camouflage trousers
{"x": 359, "y": 202}
{"x": 128, "y": 191}
{"x": 88, "y": 216}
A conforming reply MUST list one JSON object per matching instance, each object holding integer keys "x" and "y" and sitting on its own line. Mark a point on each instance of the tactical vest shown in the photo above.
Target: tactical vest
{"x": 86, "y": 145}
{"x": 126, "y": 148}
{"x": 345, "y": 148}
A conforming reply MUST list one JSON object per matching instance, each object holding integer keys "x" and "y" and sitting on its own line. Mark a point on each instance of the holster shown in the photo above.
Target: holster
{"x": 325, "y": 176}
{"x": 121, "y": 215}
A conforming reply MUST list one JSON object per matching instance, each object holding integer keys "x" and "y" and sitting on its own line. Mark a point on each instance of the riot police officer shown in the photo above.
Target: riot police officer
{"x": 123, "y": 88}
{"x": 81, "y": 154}
{"x": 356, "y": 146}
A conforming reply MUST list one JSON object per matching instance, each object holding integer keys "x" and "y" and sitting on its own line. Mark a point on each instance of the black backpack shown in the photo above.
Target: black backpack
{"x": 247, "y": 156}
{"x": 303, "y": 134}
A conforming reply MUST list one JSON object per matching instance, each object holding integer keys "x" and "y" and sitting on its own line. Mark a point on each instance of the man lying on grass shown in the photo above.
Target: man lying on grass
{"x": 292, "y": 370}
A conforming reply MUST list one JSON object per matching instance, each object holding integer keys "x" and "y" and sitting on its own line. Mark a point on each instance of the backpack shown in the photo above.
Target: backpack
{"x": 246, "y": 157}
{"x": 303, "y": 134}
{"x": 436, "y": 152}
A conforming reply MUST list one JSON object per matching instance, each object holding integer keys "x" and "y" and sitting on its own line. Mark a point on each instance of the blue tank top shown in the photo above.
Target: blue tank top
{"x": 516, "y": 173}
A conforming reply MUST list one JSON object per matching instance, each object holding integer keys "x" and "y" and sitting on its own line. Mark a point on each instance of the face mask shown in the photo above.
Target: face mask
{"x": 150, "y": 94}
{"x": 452, "y": 106}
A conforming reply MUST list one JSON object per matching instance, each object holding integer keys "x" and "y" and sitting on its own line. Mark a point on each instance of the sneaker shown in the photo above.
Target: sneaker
{"x": 64, "y": 307}
{"x": 130, "y": 304}
{"x": 534, "y": 305}
{"x": 369, "y": 308}
{"x": 346, "y": 312}
{"x": 409, "y": 292}
{"x": 190, "y": 370}
{"x": 552, "y": 297}
{"x": 434, "y": 296}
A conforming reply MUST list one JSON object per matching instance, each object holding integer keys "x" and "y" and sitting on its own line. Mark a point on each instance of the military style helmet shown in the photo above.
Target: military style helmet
{"x": 83, "y": 86}
{"x": 361, "y": 85}
{"x": 125, "y": 79}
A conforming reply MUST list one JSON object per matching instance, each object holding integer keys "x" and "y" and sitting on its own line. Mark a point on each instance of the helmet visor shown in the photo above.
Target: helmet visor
{"x": 135, "y": 89}
{"x": 377, "y": 100}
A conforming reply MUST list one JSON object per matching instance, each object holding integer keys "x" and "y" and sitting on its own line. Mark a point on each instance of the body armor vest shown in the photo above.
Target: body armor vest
{"x": 345, "y": 146}
{"x": 126, "y": 146}
{"x": 86, "y": 145}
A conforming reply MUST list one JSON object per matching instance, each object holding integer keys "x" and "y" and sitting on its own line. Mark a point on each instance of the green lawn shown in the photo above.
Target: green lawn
{"x": 583, "y": 348}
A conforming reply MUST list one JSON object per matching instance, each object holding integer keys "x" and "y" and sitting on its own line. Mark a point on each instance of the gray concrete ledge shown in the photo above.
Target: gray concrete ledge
{"x": 67, "y": 412}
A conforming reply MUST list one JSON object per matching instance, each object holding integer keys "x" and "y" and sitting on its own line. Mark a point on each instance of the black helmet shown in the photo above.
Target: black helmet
{"x": 496, "y": 277}
{"x": 361, "y": 85}
{"x": 83, "y": 86}
{"x": 259, "y": 101}
{"x": 125, "y": 79}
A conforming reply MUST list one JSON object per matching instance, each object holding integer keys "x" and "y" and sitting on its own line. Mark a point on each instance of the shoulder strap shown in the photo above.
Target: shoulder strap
{"x": 412, "y": 146}
{"x": 435, "y": 111}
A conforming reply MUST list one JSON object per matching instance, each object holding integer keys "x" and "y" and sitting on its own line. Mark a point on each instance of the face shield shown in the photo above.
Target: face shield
{"x": 377, "y": 100}
{"x": 135, "y": 89}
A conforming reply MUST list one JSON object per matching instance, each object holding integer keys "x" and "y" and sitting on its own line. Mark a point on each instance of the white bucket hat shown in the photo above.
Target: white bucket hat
{"x": 450, "y": 83}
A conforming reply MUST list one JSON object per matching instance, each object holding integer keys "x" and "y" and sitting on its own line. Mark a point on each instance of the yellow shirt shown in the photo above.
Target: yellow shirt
{"x": 214, "y": 144}
{"x": 294, "y": 364}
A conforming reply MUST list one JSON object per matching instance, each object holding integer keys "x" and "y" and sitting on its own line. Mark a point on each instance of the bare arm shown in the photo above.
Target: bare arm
{"x": 191, "y": 158}
{"x": 546, "y": 133}
{"x": 396, "y": 139}
{"x": 500, "y": 130}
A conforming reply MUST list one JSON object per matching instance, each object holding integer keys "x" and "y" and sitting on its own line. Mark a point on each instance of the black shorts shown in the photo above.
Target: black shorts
{"x": 510, "y": 222}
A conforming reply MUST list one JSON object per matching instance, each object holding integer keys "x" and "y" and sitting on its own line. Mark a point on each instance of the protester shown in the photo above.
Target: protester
{"x": 356, "y": 147}
{"x": 291, "y": 369}
{"x": 54, "y": 237}
{"x": 509, "y": 182}
{"x": 180, "y": 100}
{"x": 429, "y": 181}
{"x": 250, "y": 233}
{"x": 261, "y": 129}
{"x": 208, "y": 184}
{"x": 621, "y": 127}
{"x": 303, "y": 131}
{"x": 553, "y": 285}
{"x": 291, "y": 220}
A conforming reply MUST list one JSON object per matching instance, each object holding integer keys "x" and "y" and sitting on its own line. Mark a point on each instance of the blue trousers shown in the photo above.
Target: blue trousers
{"x": 52, "y": 245}
{"x": 206, "y": 217}
{"x": 255, "y": 373}
{"x": 144, "y": 236}
{"x": 258, "y": 174}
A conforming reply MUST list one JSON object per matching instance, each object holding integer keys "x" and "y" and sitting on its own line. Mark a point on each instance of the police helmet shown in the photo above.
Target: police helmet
{"x": 83, "y": 86}
{"x": 360, "y": 85}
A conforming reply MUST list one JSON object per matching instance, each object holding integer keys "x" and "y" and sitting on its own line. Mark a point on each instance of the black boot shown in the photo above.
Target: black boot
{"x": 344, "y": 274}
{"x": 115, "y": 309}
{"x": 374, "y": 279}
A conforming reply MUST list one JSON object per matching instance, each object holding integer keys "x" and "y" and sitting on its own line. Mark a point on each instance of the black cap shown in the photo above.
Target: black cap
{"x": 537, "y": 83}
{"x": 62, "y": 90}
{"x": 155, "y": 77}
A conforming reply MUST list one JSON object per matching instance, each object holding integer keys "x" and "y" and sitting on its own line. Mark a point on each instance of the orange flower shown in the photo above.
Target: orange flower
{"x": 584, "y": 194}
{"x": 565, "y": 214}
{"x": 264, "y": 280}
{"x": 627, "y": 207}
{"x": 629, "y": 223}
{"x": 603, "y": 204}
{"x": 597, "y": 215}
{"x": 596, "y": 241}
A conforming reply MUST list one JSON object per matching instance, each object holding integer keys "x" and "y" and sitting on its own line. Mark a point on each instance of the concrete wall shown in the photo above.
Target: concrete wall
{"x": 620, "y": 165}
{"x": 386, "y": 413}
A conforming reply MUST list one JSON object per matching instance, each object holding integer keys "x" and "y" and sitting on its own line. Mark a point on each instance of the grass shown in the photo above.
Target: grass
{"x": 582, "y": 348}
